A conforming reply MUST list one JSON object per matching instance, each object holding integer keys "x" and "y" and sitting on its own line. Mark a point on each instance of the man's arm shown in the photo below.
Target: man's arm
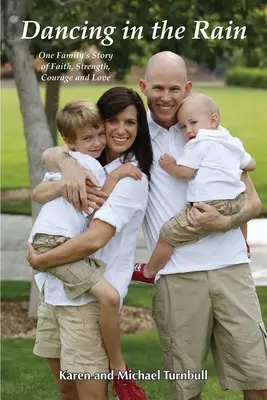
{"x": 47, "y": 191}
{"x": 77, "y": 248}
{"x": 204, "y": 218}
{"x": 252, "y": 206}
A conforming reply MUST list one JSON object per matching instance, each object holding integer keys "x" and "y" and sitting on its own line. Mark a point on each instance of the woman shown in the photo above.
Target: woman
{"x": 67, "y": 332}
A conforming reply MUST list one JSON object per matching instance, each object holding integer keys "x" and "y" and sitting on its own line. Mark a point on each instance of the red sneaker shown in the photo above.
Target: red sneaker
{"x": 138, "y": 275}
{"x": 127, "y": 389}
{"x": 248, "y": 250}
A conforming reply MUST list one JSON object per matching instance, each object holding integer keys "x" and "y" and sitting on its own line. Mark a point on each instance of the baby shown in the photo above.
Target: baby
{"x": 212, "y": 162}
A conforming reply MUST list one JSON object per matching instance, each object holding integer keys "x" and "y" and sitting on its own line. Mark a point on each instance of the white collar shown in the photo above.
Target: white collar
{"x": 155, "y": 128}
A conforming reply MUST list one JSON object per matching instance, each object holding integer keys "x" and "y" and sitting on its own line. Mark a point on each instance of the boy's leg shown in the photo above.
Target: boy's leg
{"x": 109, "y": 322}
{"x": 67, "y": 389}
{"x": 159, "y": 258}
{"x": 77, "y": 277}
{"x": 174, "y": 233}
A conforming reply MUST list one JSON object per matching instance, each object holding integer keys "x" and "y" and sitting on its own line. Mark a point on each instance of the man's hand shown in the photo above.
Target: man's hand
{"x": 74, "y": 178}
{"x": 33, "y": 258}
{"x": 168, "y": 164}
{"x": 204, "y": 219}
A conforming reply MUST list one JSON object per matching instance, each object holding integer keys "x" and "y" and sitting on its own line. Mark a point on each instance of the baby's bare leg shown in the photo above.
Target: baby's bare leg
{"x": 109, "y": 322}
{"x": 159, "y": 258}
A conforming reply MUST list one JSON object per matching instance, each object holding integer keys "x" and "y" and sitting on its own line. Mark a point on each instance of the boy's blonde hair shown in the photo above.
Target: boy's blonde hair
{"x": 206, "y": 102}
{"x": 75, "y": 115}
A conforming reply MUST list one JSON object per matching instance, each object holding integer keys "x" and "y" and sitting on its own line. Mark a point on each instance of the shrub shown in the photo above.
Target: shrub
{"x": 247, "y": 77}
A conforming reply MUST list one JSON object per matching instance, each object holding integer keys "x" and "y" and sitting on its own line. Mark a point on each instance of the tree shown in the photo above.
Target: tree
{"x": 35, "y": 125}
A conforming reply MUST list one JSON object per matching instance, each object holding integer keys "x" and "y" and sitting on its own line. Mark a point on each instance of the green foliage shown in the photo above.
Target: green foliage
{"x": 241, "y": 112}
{"x": 247, "y": 77}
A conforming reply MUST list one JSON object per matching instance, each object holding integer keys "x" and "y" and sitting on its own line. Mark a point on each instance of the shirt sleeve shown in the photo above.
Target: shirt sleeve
{"x": 245, "y": 157}
{"x": 127, "y": 198}
{"x": 193, "y": 154}
{"x": 52, "y": 176}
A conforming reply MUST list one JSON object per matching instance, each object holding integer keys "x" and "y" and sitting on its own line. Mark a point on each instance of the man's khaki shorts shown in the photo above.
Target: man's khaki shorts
{"x": 77, "y": 277}
{"x": 71, "y": 334}
{"x": 219, "y": 309}
{"x": 174, "y": 233}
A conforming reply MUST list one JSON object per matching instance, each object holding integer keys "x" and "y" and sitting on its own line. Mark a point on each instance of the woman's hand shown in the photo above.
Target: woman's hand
{"x": 168, "y": 164}
{"x": 33, "y": 258}
{"x": 127, "y": 170}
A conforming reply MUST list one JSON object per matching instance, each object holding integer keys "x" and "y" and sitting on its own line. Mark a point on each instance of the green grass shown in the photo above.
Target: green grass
{"x": 27, "y": 377}
{"x": 15, "y": 290}
{"x": 241, "y": 112}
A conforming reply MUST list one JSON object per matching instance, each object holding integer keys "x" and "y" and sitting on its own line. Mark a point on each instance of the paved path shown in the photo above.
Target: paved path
{"x": 15, "y": 232}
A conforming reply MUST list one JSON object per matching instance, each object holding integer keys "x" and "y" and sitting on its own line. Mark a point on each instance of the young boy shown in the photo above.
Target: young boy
{"x": 213, "y": 161}
{"x": 82, "y": 129}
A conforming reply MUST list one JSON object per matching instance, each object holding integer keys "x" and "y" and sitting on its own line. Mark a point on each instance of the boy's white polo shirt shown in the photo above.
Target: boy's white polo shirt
{"x": 58, "y": 216}
{"x": 167, "y": 197}
{"x": 125, "y": 210}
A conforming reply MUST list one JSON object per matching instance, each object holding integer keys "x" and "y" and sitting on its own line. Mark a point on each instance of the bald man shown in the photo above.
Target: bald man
{"x": 204, "y": 296}
{"x": 205, "y": 290}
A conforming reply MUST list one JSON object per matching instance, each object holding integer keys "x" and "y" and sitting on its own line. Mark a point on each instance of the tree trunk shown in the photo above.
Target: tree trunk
{"x": 51, "y": 107}
{"x": 36, "y": 130}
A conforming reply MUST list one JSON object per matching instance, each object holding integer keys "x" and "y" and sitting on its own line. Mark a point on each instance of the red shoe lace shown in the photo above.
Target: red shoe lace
{"x": 138, "y": 267}
{"x": 127, "y": 389}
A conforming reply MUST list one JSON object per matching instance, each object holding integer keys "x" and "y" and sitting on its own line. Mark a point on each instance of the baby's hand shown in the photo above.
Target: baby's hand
{"x": 128, "y": 170}
{"x": 167, "y": 163}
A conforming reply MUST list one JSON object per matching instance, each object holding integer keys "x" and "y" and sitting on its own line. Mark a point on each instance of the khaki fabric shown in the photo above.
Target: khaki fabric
{"x": 174, "y": 233}
{"x": 72, "y": 334}
{"x": 219, "y": 309}
{"x": 77, "y": 277}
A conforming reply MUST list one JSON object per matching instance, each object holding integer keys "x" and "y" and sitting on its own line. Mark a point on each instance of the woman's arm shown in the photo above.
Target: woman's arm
{"x": 77, "y": 248}
{"x": 128, "y": 197}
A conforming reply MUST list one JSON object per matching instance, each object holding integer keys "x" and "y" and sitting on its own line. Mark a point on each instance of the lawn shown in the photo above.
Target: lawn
{"x": 241, "y": 112}
{"x": 31, "y": 379}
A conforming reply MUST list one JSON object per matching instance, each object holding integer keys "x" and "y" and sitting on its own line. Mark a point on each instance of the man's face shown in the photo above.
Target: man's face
{"x": 165, "y": 88}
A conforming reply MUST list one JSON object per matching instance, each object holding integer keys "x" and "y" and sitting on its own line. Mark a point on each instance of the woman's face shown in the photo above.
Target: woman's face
{"x": 121, "y": 131}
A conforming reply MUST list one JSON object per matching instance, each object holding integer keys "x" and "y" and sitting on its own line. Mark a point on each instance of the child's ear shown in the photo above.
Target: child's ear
{"x": 69, "y": 143}
{"x": 214, "y": 121}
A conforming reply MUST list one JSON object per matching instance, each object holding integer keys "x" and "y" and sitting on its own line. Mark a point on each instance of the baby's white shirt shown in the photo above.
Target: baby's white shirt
{"x": 219, "y": 159}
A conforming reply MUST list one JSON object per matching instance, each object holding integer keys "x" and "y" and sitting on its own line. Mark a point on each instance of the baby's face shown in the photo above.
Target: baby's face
{"x": 90, "y": 141}
{"x": 191, "y": 118}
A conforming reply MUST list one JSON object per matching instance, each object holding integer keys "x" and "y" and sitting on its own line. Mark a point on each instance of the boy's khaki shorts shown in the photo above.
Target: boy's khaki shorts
{"x": 219, "y": 309}
{"x": 174, "y": 233}
{"x": 72, "y": 334}
{"x": 77, "y": 277}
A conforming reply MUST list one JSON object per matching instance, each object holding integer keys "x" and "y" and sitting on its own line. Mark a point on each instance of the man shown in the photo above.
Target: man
{"x": 205, "y": 295}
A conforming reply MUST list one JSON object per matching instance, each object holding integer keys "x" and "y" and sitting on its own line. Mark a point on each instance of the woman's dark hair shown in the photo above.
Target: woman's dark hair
{"x": 114, "y": 101}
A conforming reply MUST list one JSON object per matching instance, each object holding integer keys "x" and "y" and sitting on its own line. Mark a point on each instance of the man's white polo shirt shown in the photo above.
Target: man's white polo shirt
{"x": 125, "y": 210}
{"x": 167, "y": 197}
